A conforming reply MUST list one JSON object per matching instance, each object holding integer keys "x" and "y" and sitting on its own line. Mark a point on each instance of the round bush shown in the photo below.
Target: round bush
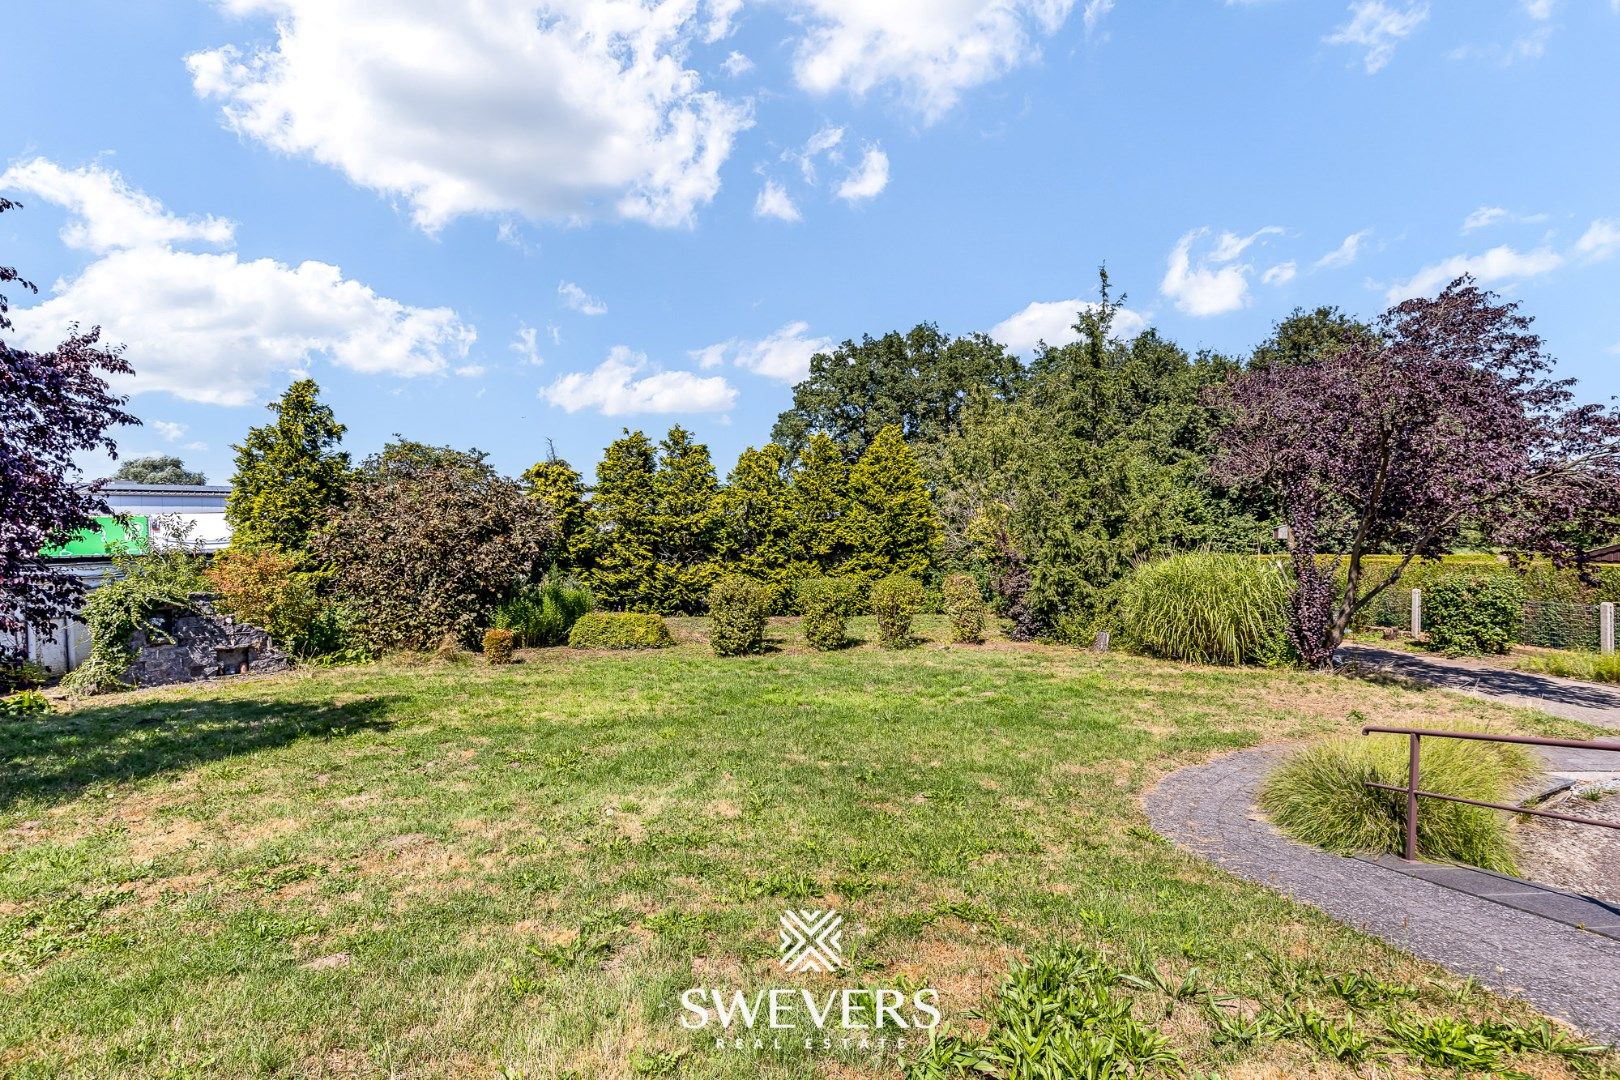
{"x": 738, "y": 607}
{"x": 1207, "y": 609}
{"x": 895, "y": 600}
{"x": 964, "y": 606}
{"x": 826, "y": 604}
{"x": 498, "y": 646}
{"x": 1479, "y": 613}
{"x": 620, "y": 630}
{"x": 1320, "y": 796}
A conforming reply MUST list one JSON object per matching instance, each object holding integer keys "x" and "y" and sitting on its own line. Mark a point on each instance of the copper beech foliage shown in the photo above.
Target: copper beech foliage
{"x": 53, "y": 405}
{"x": 1447, "y": 419}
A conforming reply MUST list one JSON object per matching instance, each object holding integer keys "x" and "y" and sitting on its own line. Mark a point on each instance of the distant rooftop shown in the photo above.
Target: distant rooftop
{"x": 123, "y": 487}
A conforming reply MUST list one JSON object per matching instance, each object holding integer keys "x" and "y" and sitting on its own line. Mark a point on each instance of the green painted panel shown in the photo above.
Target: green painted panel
{"x": 110, "y": 534}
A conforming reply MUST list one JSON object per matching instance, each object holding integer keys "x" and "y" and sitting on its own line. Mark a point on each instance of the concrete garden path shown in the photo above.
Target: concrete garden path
{"x": 1488, "y": 931}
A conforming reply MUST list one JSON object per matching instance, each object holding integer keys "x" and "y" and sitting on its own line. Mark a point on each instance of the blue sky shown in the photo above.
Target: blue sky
{"x": 489, "y": 223}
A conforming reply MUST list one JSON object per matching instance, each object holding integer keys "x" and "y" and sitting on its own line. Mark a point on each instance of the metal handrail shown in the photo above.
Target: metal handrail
{"x": 1409, "y": 848}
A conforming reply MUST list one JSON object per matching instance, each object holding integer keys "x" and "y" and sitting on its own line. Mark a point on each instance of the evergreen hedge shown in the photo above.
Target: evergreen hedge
{"x": 1476, "y": 614}
{"x": 620, "y": 630}
{"x": 895, "y": 601}
{"x": 738, "y": 607}
{"x": 826, "y": 604}
{"x": 498, "y": 646}
{"x": 964, "y": 606}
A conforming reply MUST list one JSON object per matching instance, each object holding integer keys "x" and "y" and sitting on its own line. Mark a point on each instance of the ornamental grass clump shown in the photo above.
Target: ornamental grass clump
{"x": 964, "y": 606}
{"x": 1207, "y": 609}
{"x": 543, "y": 614}
{"x": 826, "y": 604}
{"x": 895, "y": 601}
{"x": 738, "y": 607}
{"x": 620, "y": 630}
{"x": 498, "y": 646}
{"x": 1320, "y": 796}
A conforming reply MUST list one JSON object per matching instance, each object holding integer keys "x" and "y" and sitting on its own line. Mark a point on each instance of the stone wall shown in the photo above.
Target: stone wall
{"x": 195, "y": 642}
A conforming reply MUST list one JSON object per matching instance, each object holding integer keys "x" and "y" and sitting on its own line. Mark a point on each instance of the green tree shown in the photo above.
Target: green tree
{"x": 159, "y": 469}
{"x": 289, "y": 474}
{"x": 817, "y": 497}
{"x": 756, "y": 523}
{"x": 556, "y": 483}
{"x": 429, "y": 541}
{"x": 621, "y": 524}
{"x": 919, "y": 381}
{"x": 1307, "y": 336}
{"x": 1103, "y": 461}
{"x": 889, "y": 524}
{"x": 686, "y": 523}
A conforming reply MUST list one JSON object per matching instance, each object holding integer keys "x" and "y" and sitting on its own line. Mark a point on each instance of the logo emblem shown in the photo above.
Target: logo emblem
{"x": 811, "y": 940}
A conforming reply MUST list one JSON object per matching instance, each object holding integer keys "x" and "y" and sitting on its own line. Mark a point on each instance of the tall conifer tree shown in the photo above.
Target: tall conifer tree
{"x": 890, "y": 525}
{"x": 620, "y": 521}
{"x": 686, "y": 523}
{"x": 817, "y": 497}
{"x": 756, "y": 530}
{"x": 289, "y": 474}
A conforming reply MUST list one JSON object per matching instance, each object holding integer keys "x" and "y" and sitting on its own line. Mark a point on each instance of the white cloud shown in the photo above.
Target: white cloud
{"x": 868, "y": 179}
{"x": 214, "y": 328}
{"x": 1052, "y": 321}
{"x": 1486, "y": 216}
{"x": 736, "y": 64}
{"x": 460, "y": 107}
{"x": 1281, "y": 274}
{"x": 784, "y": 355}
{"x": 577, "y": 299}
{"x": 108, "y": 213}
{"x": 1483, "y": 217}
{"x": 613, "y": 388}
{"x": 1496, "y": 266}
{"x": 775, "y": 202}
{"x": 210, "y": 326}
{"x": 526, "y": 344}
{"x": 1539, "y": 9}
{"x": 1094, "y": 13}
{"x": 927, "y": 51}
{"x": 171, "y": 431}
{"x": 1599, "y": 241}
{"x": 1345, "y": 253}
{"x": 1217, "y": 283}
{"x": 1378, "y": 28}
{"x": 721, "y": 13}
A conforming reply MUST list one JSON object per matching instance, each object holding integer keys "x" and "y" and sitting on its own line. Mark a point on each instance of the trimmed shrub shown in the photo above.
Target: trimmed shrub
{"x": 895, "y": 600}
{"x": 543, "y": 614}
{"x": 1320, "y": 796}
{"x": 738, "y": 607}
{"x": 1479, "y": 613}
{"x": 620, "y": 630}
{"x": 1207, "y": 609}
{"x": 964, "y": 606}
{"x": 498, "y": 646}
{"x": 826, "y": 604}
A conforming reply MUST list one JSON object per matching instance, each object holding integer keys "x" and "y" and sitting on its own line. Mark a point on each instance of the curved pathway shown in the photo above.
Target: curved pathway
{"x": 1209, "y": 810}
{"x": 1570, "y": 699}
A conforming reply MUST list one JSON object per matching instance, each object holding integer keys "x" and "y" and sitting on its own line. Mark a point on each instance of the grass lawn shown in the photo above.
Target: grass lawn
{"x": 461, "y": 871}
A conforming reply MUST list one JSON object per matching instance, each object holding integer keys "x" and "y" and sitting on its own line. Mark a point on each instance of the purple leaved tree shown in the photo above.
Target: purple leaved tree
{"x": 1446, "y": 419}
{"x": 52, "y": 405}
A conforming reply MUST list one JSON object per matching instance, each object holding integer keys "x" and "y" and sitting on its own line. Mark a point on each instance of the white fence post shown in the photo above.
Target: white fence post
{"x": 1417, "y": 612}
{"x": 1606, "y": 628}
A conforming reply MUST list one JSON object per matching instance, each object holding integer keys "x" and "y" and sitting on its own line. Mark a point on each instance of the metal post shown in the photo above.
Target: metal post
{"x": 1417, "y": 612}
{"x": 1606, "y": 628}
{"x": 1409, "y": 850}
